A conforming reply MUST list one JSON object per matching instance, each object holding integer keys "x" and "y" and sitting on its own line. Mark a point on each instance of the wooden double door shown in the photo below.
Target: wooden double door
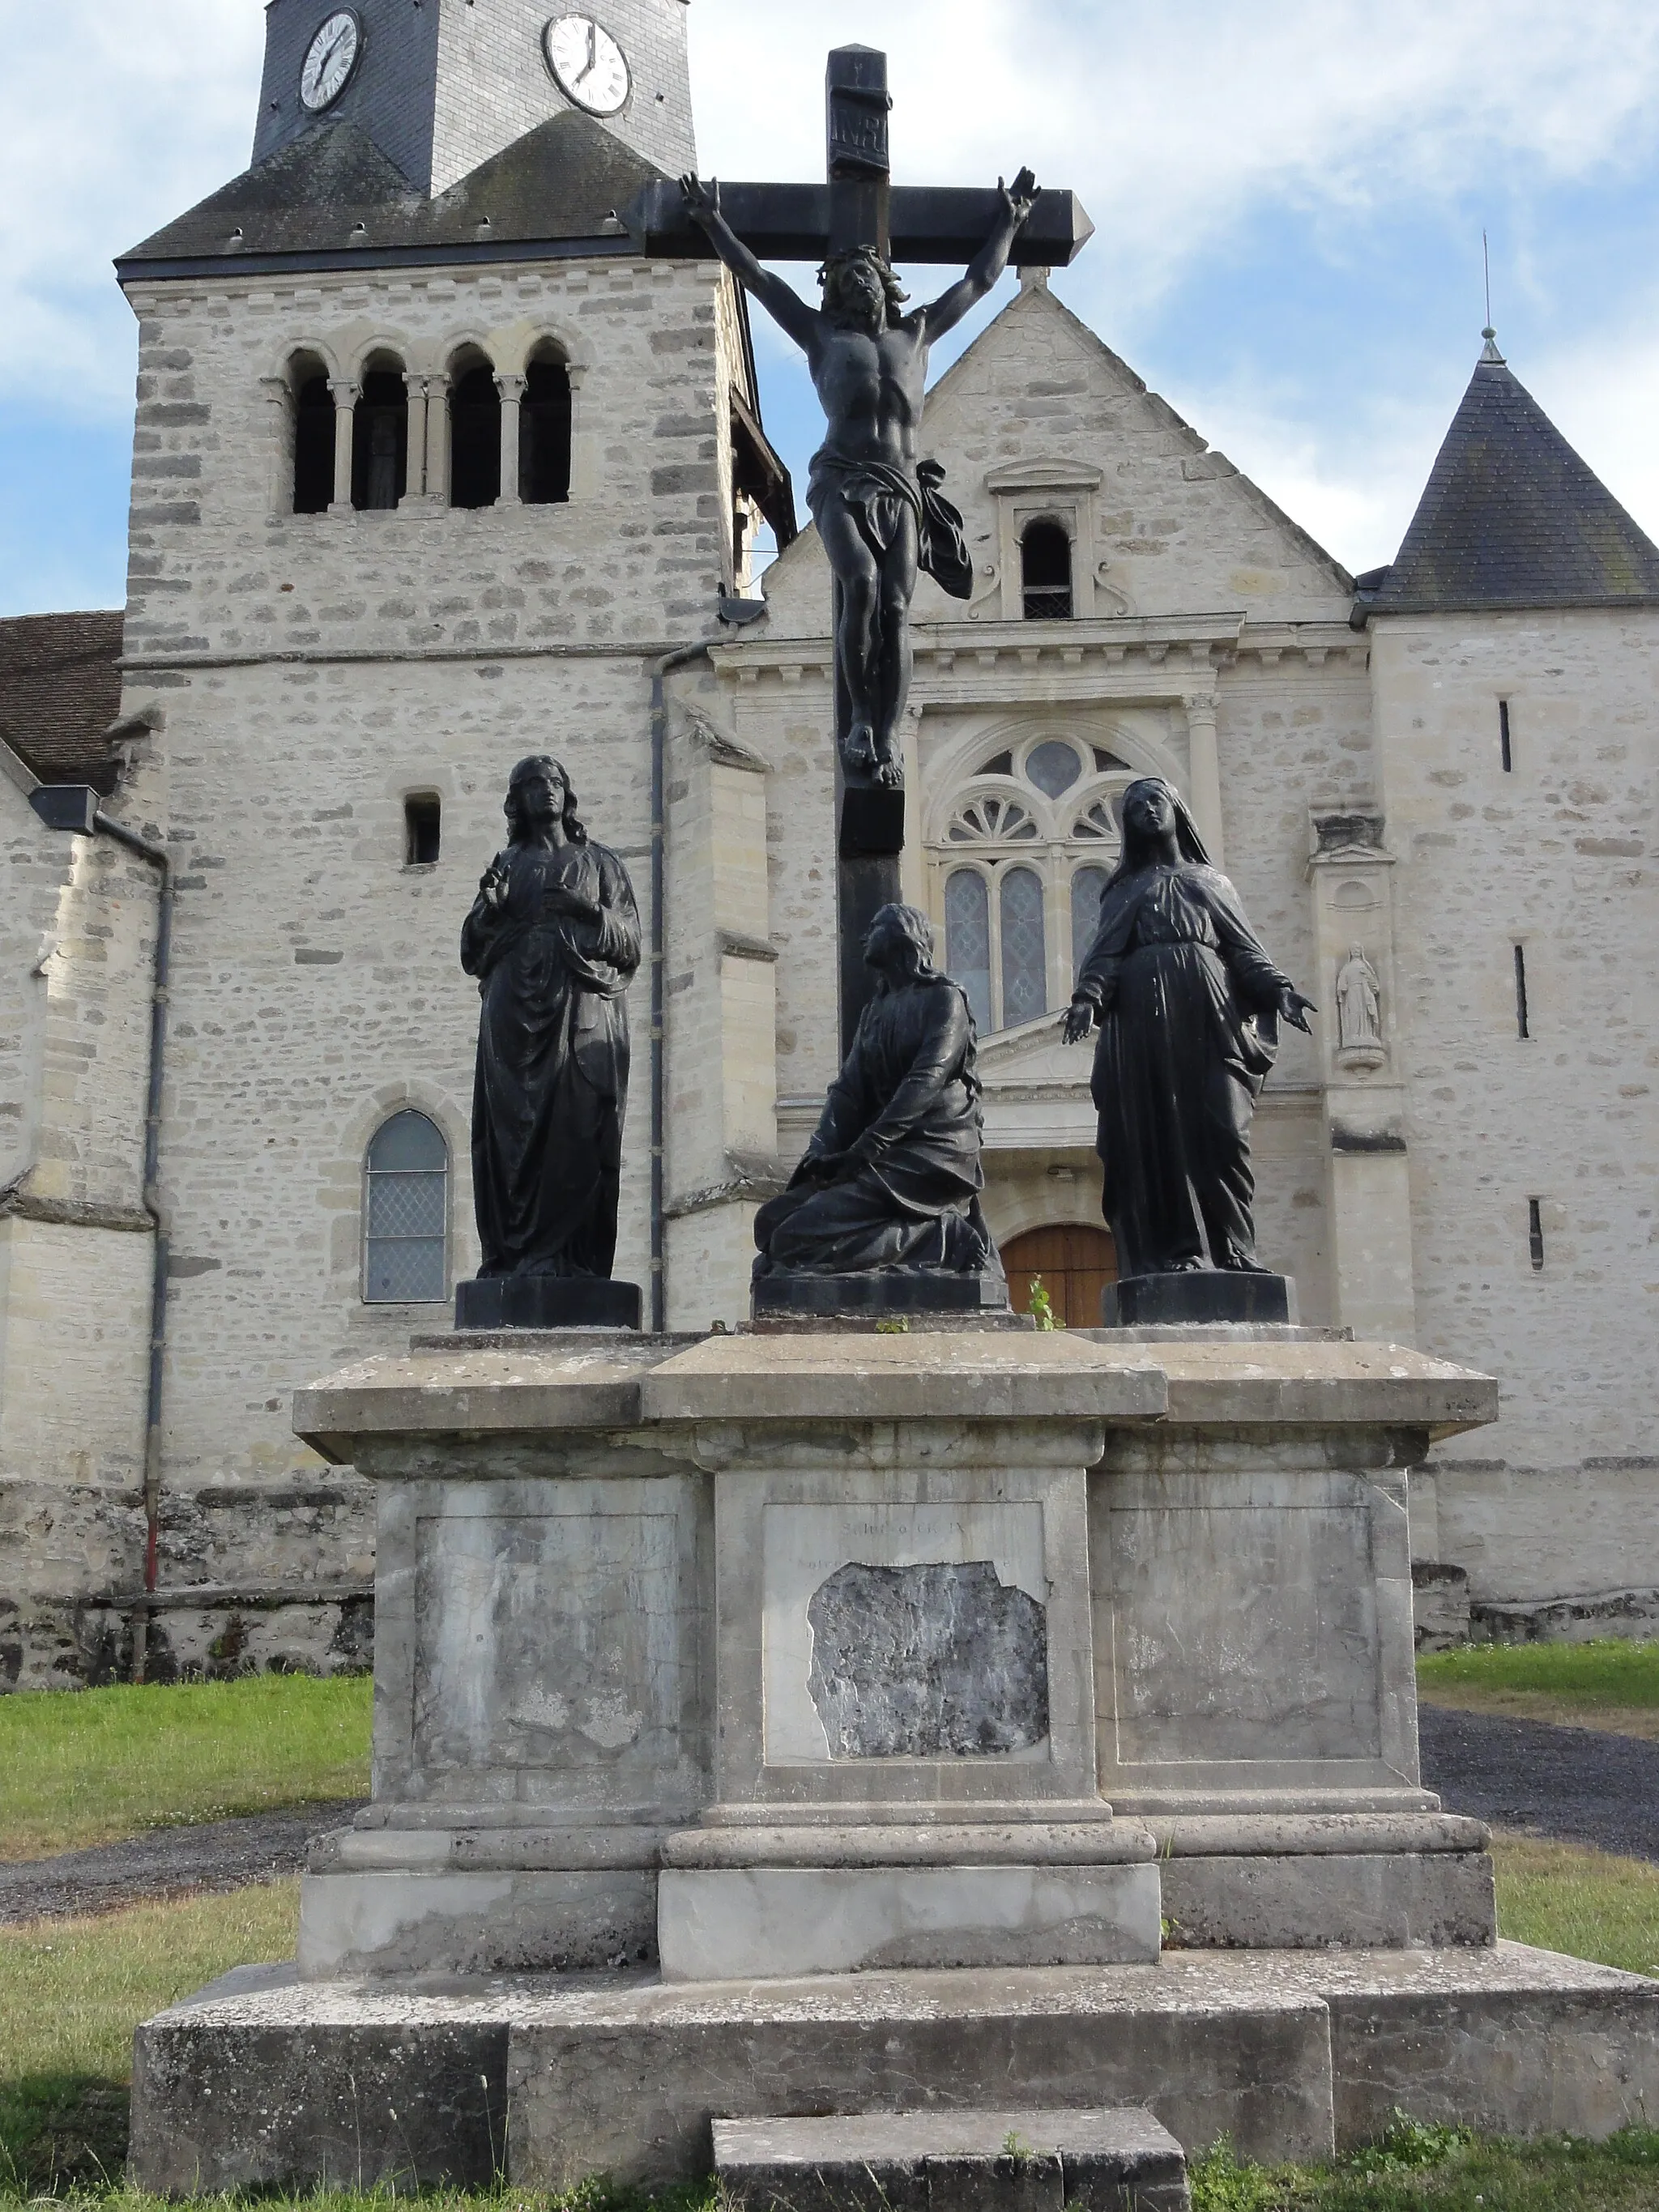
{"x": 1073, "y": 1264}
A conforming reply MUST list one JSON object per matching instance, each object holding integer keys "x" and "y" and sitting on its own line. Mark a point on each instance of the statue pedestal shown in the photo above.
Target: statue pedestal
{"x": 879, "y": 1294}
{"x": 827, "y": 1722}
{"x": 1197, "y": 1297}
{"x": 493, "y": 1302}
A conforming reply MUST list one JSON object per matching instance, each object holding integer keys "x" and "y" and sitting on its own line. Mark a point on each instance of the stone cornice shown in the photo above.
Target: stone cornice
{"x": 16, "y": 1199}
{"x": 1118, "y": 657}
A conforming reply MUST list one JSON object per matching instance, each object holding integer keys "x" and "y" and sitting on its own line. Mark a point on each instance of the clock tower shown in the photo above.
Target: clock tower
{"x": 440, "y": 86}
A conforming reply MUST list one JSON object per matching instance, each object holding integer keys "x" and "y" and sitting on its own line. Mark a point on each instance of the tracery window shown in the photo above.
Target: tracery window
{"x": 406, "y": 1212}
{"x": 1019, "y": 857}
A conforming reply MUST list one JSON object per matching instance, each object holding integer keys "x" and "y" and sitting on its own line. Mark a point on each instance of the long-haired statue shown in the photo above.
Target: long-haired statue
{"x": 1188, "y": 1005}
{"x": 554, "y": 940}
{"x": 892, "y": 1176}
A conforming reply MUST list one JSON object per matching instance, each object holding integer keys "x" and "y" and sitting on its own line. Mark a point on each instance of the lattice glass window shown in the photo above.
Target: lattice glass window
{"x": 1087, "y": 884}
{"x": 406, "y": 1212}
{"x": 968, "y": 939}
{"x": 1024, "y": 966}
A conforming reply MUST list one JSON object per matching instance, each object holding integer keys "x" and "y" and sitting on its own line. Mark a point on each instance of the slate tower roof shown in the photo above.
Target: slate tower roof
{"x": 60, "y": 690}
{"x": 1511, "y": 517}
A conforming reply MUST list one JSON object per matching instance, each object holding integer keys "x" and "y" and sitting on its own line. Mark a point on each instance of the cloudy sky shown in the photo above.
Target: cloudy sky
{"x": 1288, "y": 200}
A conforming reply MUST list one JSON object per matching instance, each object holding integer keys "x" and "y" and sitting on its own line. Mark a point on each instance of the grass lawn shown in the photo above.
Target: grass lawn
{"x": 1419, "y": 2169}
{"x": 72, "y": 1991}
{"x": 1610, "y": 1684}
{"x": 88, "y": 1766}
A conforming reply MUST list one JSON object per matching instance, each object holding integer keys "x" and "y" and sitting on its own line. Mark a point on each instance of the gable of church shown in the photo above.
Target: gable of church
{"x": 1040, "y": 415}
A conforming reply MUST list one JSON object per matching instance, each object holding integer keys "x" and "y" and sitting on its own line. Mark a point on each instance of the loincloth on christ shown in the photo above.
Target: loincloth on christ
{"x": 876, "y": 494}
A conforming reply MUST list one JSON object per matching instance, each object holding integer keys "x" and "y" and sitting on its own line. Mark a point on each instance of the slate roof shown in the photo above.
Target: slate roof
{"x": 60, "y": 689}
{"x": 1511, "y": 517}
{"x": 333, "y": 198}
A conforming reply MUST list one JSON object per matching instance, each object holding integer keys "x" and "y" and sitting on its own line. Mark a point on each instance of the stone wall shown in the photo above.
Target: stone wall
{"x": 1554, "y": 855}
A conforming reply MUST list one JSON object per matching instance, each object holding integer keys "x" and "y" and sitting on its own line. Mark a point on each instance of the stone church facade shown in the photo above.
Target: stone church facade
{"x": 432, "y": 468}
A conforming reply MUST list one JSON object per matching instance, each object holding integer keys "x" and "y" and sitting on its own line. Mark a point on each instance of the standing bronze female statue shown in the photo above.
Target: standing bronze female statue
{"x": 554, "y": 940}
{"x": 1188, "y": 1006}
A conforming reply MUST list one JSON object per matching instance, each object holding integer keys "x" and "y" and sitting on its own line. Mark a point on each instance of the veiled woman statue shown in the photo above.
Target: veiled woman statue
{"x": 1188, "y": 1006}
{"x": 554, "y": 940}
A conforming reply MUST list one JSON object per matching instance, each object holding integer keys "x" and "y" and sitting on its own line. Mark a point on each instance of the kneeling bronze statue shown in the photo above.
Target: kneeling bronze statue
{"x": 892, "y": 1176}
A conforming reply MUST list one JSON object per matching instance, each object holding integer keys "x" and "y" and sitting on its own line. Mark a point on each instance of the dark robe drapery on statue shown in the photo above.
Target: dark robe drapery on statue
{"x": 893, "y": 1176}
{"x": 554, "y": 950}
{"x": 1188, "y": 1003}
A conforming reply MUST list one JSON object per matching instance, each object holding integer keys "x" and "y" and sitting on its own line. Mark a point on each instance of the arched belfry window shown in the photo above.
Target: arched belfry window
{"x": 544, "y": 430}
{"x": 313, "y": 435}
{"x": 406, "y": 1212}
{"x": 1045, "y": 561}
{"x": 379, "y": 444}
{"x": 1019, "y": 855}
{"x": 475, "y": 433}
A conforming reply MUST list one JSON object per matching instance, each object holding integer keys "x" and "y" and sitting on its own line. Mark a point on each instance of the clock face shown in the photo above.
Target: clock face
{"x": 588, "y": 66}
{"x": 331, "y": 58}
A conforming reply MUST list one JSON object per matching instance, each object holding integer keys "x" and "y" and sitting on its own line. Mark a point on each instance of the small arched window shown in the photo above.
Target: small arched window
{"x": 475, "y": 438}
{"x": 379, "y": 444}
{"x": 968, "y": 939}
{"x": 544, "y": 432}
{"x": 1025, "y": 965}
{"x": 313, "y": 437}
{"x": 406, "y": 1212}
{"x": 1045, "y": 556}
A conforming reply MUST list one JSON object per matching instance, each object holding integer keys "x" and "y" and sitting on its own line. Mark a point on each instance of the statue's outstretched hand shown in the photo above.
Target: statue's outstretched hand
{"x": 1079, "y": 1020}
{"x": 1295, "y": 1009}
{"x": 1020, "y": 198}
{"x": 702, "y": 199}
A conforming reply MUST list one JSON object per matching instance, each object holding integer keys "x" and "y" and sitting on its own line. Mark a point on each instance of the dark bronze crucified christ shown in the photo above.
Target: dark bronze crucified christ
{"x": 877, "y": 504}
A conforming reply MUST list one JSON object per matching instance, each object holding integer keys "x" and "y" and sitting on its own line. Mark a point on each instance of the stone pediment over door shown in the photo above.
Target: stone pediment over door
{"x": 1037, "y": 1088}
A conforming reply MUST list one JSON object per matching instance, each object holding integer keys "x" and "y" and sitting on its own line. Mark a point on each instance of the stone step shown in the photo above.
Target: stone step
{"x": 1116, "y": 2160}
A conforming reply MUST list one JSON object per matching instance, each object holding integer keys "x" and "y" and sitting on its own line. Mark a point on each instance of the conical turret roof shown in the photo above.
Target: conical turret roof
{"x": 1511, "y": 517}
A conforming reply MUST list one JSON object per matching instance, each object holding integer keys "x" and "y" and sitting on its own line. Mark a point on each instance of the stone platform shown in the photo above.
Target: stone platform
{"x": 264, "y": 2081}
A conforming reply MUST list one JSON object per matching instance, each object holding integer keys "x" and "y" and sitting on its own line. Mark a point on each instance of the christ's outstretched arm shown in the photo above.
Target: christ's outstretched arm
{"x": 944, "y": 312}
{"x": 784, "y": 305}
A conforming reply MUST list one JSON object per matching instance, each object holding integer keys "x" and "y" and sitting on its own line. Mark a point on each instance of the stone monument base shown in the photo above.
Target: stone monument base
{"x": 546, "y": 1302}
{"x": 261, "y": 2082}
{"x": 1197, "y": 1296}
{"x": 894, "y": 1292}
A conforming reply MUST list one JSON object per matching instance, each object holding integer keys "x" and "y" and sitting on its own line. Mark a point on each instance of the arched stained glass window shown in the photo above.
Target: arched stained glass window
{"x": 406, "y": 1212}
{"x": 1087, "y": 884}
{"x": 1024, "y": 968}
{"x": 968, "y": 939}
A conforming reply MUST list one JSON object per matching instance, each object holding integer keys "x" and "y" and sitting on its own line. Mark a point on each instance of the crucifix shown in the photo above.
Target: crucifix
{"x": 881, "y": 515}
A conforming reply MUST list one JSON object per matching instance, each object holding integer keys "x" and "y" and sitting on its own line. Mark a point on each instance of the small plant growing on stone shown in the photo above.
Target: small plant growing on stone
{"x": 1042, "y": 1307}
{"x": 897, "y": 1327}
{"x": 1014, "y": 2146}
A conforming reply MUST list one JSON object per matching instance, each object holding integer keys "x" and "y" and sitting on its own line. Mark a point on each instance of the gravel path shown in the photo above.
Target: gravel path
{"x": 1576, "y": 1784}
{"x": 216, "y": 1855}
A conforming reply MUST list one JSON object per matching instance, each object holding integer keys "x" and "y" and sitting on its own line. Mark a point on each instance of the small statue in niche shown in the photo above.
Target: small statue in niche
{"x": 1188, "y": 1005}
{"x": 554, "y": 940}
{"x": 893, "y": 1176}
{"x": 1359, "y": 1006}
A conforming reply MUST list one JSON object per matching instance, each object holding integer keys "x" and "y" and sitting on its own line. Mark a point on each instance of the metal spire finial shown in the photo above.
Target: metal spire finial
{"x": 1490, "y": 351}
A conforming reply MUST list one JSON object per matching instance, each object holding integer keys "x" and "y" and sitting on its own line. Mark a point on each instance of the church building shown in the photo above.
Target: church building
{"x": 434, "y": 467}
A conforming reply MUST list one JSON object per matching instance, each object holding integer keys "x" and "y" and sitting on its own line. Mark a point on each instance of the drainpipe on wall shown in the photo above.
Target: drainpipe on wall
{"x": 660, "y": 670}
{"x": 74, "y": 806}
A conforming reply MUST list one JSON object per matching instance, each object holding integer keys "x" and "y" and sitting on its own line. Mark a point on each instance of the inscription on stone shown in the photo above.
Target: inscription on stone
{"x": 933, "y": 1661}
